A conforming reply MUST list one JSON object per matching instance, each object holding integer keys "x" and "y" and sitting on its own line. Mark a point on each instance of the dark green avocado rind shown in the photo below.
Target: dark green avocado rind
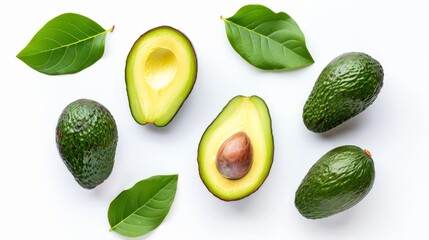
{"x": 86, "y": 137}
{"x": 346, "y": 87}
{"x": 336, "y": 182}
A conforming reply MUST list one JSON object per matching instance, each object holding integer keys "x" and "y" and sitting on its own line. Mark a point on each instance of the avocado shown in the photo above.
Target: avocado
{"x": 345, "y": 87}
{"x": 236, "y": 151}
{"x": 160, "y": 72}
{"x": 86, "y": 137}
{"x": 336, "y": 182}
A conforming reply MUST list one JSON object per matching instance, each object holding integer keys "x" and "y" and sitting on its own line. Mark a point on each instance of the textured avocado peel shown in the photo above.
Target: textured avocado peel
{"x": 86, "y": 138}
{"x": 339, "y": 180}
{"x": 347, "y": 86}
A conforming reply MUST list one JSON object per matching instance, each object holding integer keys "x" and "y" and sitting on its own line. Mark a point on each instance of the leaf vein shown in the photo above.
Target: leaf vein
{"x": 135, "y": 211}
{"x": 244, "y": 28}
{"x": 69, "y": 44}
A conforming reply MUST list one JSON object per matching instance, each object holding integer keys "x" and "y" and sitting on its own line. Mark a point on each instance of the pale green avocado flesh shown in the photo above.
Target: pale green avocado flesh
{"x": 160, "y": 72}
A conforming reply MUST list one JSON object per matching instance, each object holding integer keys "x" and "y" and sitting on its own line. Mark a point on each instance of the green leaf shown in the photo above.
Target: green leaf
{"x": 142, "y": 208}
{"x": 66, "y": 44}
{"x": 267, "y": 40}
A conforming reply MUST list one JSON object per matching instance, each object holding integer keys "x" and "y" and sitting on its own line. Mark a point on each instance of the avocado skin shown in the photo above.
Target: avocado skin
{"x": 346, "y": 87}
{"x": 336, "y": 182}
{"x": 86, "y": 137}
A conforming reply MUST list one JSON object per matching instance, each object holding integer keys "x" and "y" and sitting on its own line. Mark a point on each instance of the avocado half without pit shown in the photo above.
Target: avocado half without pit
{"x": 236, "y": 151}
{"x": 160, "y": 72}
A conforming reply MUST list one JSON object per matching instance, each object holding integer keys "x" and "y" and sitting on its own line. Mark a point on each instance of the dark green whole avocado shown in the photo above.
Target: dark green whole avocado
{"x": 86, "y": 137}
{"x": 346, "y": 87}
{"x": 336, "y": 182}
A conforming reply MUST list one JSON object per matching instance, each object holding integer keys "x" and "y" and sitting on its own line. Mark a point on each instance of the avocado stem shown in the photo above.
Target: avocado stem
{"x": 367, "y": 153}
{"x": 112, "y": 28}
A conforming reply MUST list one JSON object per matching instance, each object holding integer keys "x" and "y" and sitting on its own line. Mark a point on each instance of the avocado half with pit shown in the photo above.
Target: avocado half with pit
{"x": 236, "y": 151}
{"x": 160, "y": 72}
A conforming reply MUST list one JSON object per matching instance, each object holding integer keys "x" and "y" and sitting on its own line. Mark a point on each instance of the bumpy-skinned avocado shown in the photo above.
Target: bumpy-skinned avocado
{"x": 86, "y": 137}
{"x": 336, "y": 182}
{"x": 236, "y": 151}
{"x": 347, "y": 86}
{"x": 161, "y": 70}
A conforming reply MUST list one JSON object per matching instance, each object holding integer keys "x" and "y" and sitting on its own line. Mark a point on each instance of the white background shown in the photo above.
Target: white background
{"x": 41, "y": 200}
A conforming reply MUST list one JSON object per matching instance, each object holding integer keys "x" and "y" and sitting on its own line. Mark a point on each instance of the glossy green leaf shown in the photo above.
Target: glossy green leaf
{"x": 267, "y": 40}
{"x": 142, "y": 208}
{"x": 66, "y": 44}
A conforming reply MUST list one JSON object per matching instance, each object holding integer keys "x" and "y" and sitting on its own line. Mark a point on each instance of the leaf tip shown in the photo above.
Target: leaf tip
{"x": 19, "y": 55}
{"x": 174, "y": 176}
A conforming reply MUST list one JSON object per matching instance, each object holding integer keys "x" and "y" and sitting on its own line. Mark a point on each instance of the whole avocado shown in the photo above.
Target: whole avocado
{"x": 336, "y": 182}
{"x": 345, "y": 88}
{"x": 86, "y": 137}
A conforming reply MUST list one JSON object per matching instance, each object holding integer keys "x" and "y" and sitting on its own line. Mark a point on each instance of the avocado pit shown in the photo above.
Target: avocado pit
{"x": 234, "y": 157}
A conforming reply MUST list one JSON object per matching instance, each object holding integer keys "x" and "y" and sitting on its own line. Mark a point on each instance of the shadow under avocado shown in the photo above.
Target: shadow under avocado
{"x": 346, "y": 127}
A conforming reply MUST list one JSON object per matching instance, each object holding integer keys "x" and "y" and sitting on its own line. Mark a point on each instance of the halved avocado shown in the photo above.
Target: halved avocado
{"x": 160, "y": 72}
{"x": 236, "y": 151}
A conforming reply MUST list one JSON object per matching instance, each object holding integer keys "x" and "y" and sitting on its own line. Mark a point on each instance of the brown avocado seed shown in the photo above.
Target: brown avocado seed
{"x": 234, "y": 157}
